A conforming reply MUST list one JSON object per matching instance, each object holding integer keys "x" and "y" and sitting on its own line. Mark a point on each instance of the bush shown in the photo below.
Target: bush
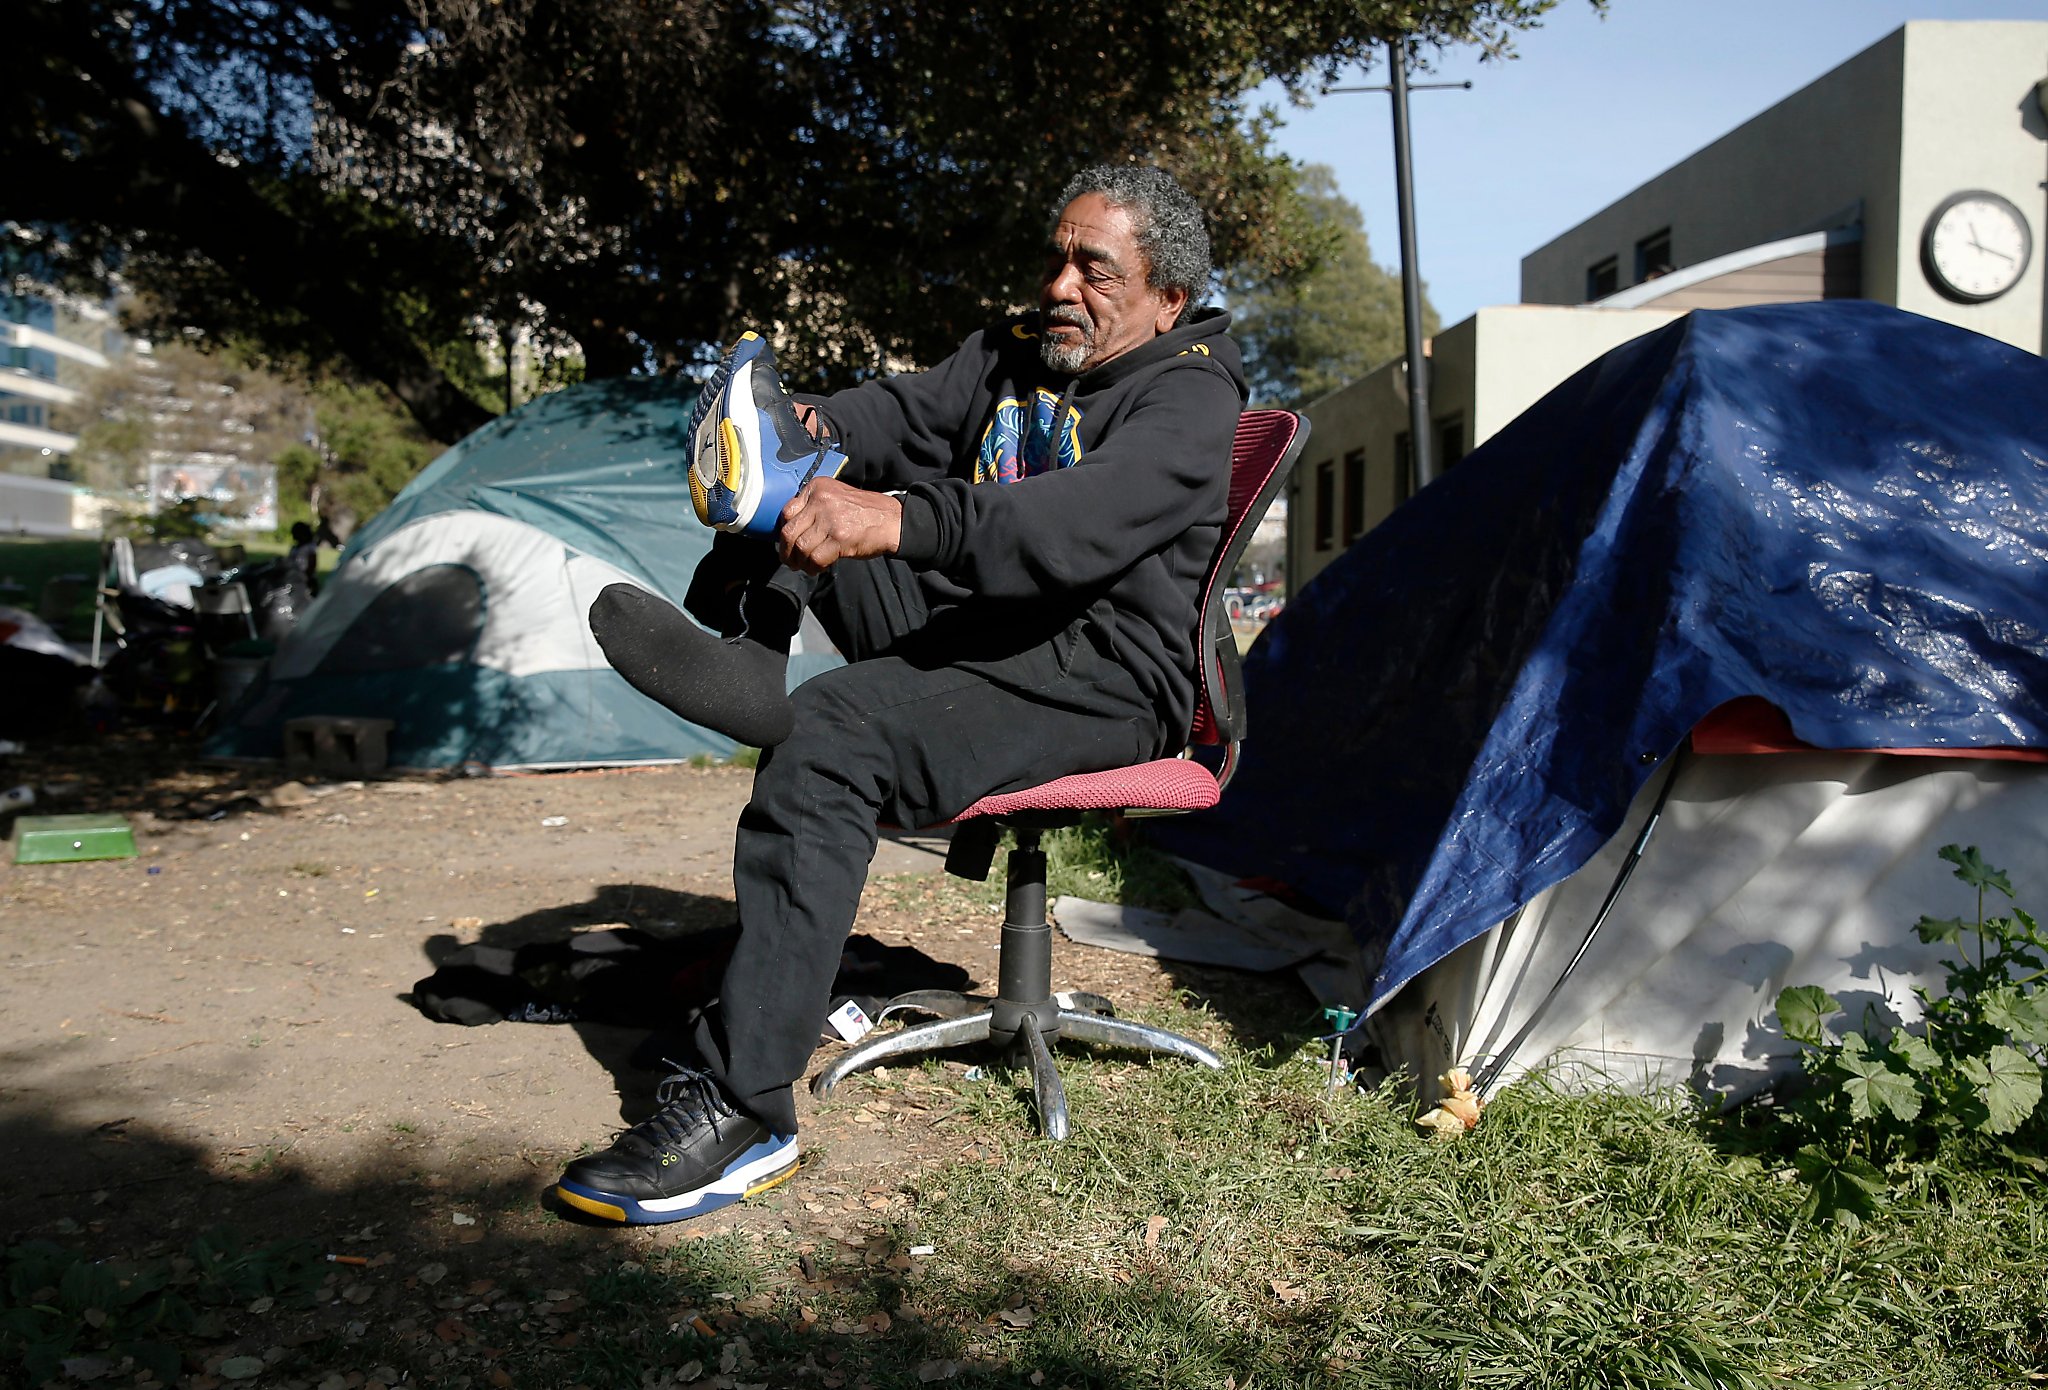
{"x": 1961, "y": 1086}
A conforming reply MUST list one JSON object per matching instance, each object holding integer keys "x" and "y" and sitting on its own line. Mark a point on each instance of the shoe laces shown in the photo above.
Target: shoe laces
{"x": 684, "y": 1099}
{"x": 827, "y": 440}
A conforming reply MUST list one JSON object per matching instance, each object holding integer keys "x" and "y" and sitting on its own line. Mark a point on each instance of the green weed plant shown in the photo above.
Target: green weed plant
{"x": 1961, "y": 1087}
{"x": 61, "y": 1312}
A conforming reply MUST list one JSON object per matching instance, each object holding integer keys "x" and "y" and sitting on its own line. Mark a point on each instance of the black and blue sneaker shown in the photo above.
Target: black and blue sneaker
{"x": 695, "y": 1154}
{"x": 749, "y": 454}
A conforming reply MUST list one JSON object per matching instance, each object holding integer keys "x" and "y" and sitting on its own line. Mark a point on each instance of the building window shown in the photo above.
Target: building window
{"x": 1603, "y": 278}
{"x": 1653, "y": 256}
{"x": 1404, "y": 468}
{"x": 1354, "y": 495}
{"x": 1326, "y": 504}
{"x": 1450, "y": 442}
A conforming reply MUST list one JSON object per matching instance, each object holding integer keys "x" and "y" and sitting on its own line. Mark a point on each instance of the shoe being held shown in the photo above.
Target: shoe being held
{"x": 749, "y": 454}
{"x": 695, "y": 1154}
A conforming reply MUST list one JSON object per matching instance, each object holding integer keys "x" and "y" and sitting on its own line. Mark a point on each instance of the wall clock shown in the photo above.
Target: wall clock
{"x": 1975, "y": 247}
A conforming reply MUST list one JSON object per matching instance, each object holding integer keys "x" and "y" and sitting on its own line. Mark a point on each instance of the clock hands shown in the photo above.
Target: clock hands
{"x": 1988, "y": 250}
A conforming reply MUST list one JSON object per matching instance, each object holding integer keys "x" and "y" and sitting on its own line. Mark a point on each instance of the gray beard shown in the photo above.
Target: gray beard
{"x": 1059, "y": 357}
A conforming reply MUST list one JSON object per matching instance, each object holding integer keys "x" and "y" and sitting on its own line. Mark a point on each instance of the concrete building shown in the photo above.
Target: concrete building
{"x": 1913, "y": 174}
{"x": 49, "y": 350}
{"x": 1872, "y": 151}
{"x": 49, "y": 347}
{"x": 201, "y": 434}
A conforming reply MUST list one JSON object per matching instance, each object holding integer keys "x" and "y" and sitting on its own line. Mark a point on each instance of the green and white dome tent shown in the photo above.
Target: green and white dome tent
{"x": 459, "y": 612}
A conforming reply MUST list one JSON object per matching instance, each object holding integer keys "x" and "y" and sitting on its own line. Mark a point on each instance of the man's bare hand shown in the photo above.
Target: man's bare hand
{"x": 829, "y": 521}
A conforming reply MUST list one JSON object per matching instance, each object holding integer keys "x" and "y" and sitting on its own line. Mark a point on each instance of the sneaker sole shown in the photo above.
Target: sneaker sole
{"x": 766, "y": 1165}
{"x": 730, "y": 441}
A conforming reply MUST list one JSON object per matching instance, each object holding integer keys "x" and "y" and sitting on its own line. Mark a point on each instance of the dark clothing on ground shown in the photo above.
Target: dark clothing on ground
{"x": 1035, "y": 624}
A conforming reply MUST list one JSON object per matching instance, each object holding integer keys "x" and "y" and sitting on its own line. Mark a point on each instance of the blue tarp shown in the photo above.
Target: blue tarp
{"x": 1839, "y": 507}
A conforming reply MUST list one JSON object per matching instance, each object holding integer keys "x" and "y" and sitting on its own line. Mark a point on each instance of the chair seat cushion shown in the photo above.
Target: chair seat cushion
{"x": 1165, "y": 784}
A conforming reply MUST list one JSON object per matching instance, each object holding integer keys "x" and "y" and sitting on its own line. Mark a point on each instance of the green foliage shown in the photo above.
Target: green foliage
{"x": 1801, "y": 1010}
{"x": 228, "y": 1269}
{"x": 55, "y": 1304}
{"x": 1927, "y": 1100}
{"x": 177, "y": 400}
{"x": 186, "y": 518}
{"x": 629, "y": 181}
{"x": 365, "y": 449}
{"x": 1331, "y": 320}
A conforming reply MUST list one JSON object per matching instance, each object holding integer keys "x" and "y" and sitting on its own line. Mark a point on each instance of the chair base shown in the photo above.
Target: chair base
{"x": 1024, "y": 1015}
{"x": 1038, "y": 1025}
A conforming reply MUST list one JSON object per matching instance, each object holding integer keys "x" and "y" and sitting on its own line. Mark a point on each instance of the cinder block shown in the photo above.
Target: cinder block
{"x": 336, "y": 747}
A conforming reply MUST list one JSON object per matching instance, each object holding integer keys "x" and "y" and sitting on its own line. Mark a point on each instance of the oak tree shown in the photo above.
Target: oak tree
{"x": 1306, "y": 335}
{"x": 387, "y": 183}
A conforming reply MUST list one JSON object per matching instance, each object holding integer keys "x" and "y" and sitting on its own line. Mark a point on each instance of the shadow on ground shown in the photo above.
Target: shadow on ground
{"x": 455, "y": 1277}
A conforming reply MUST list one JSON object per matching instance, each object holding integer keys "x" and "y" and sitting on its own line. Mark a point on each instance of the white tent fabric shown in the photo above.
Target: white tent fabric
{"x": 538, "y": 591}
{"x": 1764, "y": 871}
{"x": 459, "y": 612}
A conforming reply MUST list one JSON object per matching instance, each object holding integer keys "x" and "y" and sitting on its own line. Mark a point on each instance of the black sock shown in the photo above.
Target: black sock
{"x": 736, "y": 687}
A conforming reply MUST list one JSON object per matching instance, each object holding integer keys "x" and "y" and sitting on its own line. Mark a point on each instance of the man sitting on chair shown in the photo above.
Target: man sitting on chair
{"x": 1009, "y": 549}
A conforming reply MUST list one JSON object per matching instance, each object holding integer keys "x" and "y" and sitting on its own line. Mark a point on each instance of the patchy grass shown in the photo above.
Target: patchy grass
{"x": 741, "y": 756}
{"x": 1095, "y": 859}
{"x": 1098, "y": 859}
{"x": 1237, "y": 1228}
{"x": 27, "y": 564}
{"x": 1203, "y": 1227}
{"x": 1243, "y": 1228}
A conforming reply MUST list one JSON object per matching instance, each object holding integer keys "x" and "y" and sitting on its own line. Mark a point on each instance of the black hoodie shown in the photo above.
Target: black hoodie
{"x": 1114, "y": 517}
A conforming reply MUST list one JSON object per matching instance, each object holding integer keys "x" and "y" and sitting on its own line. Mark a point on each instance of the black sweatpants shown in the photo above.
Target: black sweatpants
{"x": 931, "y": 714}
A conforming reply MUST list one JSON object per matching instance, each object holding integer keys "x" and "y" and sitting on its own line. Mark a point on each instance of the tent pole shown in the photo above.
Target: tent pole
{"x": 1493, "y": 1069}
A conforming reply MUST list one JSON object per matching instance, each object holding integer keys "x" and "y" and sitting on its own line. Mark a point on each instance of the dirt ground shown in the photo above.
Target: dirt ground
{"x": 218, "y": 1032}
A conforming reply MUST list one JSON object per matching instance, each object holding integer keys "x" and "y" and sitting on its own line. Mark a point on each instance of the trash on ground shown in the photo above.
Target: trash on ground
{"x": 1457, "y": 1111}
{"x": 849, "y": 1022}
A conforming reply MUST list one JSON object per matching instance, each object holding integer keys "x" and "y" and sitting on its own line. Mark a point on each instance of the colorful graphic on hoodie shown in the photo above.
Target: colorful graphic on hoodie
{"x": 1010, "y": 450}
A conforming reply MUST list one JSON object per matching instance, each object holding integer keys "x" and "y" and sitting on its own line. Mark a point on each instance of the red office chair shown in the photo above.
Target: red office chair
{"x": 1024, "y": 1010}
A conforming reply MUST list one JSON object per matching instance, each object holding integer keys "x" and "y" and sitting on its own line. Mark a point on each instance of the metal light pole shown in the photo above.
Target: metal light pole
{"x": 1419, "y": 450}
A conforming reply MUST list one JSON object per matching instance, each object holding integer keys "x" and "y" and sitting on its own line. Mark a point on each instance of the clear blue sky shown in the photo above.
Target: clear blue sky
{"x": 1589, "y": 109}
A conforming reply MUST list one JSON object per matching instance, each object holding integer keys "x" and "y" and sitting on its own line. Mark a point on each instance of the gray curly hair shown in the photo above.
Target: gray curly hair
{"x": 1167, "y": 222}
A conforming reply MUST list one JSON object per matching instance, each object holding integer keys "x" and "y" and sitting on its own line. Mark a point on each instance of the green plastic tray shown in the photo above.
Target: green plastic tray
{"x": 67, "y": 839}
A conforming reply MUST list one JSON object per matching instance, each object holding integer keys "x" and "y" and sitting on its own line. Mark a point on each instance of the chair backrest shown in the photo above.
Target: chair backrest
{"x": 1268, "y": 443}
{"x": 229, "y": 600}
